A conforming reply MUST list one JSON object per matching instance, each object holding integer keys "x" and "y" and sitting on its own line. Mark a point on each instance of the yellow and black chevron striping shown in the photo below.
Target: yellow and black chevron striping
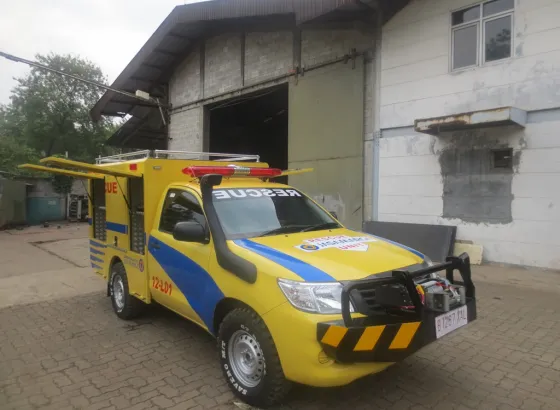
{"x": 391, "y": 342}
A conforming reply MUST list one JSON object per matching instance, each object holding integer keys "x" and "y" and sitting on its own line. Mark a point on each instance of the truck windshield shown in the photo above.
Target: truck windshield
{"x": 251, "y": 212}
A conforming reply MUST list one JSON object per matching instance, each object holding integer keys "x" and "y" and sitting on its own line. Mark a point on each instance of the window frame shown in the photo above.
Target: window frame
{"x": 181, "y": 191}
{"x": 480, "y": 22}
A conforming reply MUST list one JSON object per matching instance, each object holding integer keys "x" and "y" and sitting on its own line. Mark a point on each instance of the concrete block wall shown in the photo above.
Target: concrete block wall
{"x": 416, "y": 83}
{"x": 318, "y": 46}
{"x": 185, "y": 86}
{"x": 222, "y": 65}
{"x": 267, "y": 55}
{"x": 186, "y": 130}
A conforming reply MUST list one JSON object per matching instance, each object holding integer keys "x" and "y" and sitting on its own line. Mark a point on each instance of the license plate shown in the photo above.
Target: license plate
{"x": 451, "y": 321}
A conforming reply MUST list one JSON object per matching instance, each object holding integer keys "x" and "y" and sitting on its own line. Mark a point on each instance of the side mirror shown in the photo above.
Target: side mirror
{"x": 334, "y": 215}
{"x": 190, "y": 232}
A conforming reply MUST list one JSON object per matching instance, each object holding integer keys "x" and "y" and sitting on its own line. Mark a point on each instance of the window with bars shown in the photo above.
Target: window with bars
{"x": 481, "y": 34}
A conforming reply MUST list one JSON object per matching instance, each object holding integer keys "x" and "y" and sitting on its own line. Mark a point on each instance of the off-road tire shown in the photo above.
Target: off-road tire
{"x": 132, "y": 307}
{"x": 273, "y": 386}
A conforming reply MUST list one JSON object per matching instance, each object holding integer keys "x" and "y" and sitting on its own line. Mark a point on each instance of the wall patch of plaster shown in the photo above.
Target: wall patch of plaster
{"x": 473, "y": 189}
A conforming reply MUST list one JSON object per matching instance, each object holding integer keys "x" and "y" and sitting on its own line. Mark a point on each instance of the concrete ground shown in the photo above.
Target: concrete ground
{"x": 61, "y": 347}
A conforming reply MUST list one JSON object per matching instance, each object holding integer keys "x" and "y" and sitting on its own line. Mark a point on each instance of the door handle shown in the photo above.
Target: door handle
{"x": 155, "y": 245}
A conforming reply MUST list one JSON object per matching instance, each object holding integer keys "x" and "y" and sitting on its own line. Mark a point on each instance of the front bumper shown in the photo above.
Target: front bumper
{"x": 391, "y": 335}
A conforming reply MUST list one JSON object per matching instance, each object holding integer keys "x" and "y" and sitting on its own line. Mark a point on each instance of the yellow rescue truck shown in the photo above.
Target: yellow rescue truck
{"x": 290, "y": 294}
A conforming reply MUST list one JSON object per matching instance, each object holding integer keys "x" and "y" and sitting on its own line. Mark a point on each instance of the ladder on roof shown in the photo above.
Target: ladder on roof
{"x": 185, "y": 155}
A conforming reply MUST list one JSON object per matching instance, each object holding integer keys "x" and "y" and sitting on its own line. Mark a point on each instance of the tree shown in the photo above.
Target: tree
{"x": 13, "y": 153}
{"x": 49, "y": 114}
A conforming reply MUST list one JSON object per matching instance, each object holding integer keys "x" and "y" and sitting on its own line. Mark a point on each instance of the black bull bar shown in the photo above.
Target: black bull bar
{"x": 390, "y": 335}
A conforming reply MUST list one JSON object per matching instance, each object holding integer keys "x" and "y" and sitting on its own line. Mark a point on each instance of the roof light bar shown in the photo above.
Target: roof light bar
{"x": 232, "y": 171}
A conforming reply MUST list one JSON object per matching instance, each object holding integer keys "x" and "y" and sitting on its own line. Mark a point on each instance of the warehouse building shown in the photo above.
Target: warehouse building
{"x": 437, "y": 112}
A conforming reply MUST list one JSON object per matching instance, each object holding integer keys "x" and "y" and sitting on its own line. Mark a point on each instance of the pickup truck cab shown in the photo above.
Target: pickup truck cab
{"x": 289, "y": 293}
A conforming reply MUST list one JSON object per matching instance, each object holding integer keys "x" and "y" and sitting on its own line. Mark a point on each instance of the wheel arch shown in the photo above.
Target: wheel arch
{"x": 114, "y": 261}
{"x": 223, "y": 307}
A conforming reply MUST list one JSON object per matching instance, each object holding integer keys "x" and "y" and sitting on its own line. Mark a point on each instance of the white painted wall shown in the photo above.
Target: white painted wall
{"x": 416, "y": 83}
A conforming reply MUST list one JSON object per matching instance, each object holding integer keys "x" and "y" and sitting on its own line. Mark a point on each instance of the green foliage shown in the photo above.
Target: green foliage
{"x": 49, "y": 114}
{"x": 13, "y": 153}
{"x": 62, "y": 184}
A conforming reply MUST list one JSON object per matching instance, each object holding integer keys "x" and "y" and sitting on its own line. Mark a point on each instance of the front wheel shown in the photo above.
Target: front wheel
{"x": 250, "y": 361}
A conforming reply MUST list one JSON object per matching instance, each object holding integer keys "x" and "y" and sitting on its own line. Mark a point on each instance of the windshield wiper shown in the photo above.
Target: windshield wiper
{"x": 282, "y": 229}
{"x": 318, "y": 227}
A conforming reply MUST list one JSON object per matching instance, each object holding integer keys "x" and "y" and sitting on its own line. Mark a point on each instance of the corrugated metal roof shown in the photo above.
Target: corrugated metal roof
{"x": 140, "y": 133}
{"x": 177, "y": 35}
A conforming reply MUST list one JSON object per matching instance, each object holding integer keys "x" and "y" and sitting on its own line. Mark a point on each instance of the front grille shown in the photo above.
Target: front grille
{"x": 377, "y": 298}
{"x": 370, "y": 300}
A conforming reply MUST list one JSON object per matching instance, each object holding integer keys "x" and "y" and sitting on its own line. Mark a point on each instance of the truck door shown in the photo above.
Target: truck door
{"x": 179, "y": 270}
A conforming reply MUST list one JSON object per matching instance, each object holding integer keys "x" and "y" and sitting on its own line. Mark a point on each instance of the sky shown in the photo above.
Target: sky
{"x": 107, "y": 32}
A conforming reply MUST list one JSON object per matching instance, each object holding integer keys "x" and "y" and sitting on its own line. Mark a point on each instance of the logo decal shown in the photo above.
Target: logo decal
{"x": 342, "y": 242}
{"x": 135, "y": 263}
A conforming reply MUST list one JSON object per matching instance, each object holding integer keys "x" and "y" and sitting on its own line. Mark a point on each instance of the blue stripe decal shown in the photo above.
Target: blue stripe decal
{"x": 94, "y": 266}
{"x": 202, "y": 293}
{"x": 304, "y": 270}
{"x": 99, "y": 245}
{"x": 96, "y": 259}
{"x": 93, "y": 250}
{"x": 115, "y": 227}
{"x": 400, "y": 245}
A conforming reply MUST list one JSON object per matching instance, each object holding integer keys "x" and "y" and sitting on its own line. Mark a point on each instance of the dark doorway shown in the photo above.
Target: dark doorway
{"x": 252, "y": 124}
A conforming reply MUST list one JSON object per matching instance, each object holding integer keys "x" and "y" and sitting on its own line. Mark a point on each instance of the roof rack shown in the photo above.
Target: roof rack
{"x": 200, "y": 156}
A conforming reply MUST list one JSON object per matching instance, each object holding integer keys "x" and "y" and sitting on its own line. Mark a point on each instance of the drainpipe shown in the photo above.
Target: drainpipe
{"x": 377, "y": 113}
{"x": 375, "y": 5}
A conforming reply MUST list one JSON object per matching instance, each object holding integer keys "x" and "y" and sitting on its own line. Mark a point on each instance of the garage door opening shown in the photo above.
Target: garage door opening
{"x": 252, "y": 124}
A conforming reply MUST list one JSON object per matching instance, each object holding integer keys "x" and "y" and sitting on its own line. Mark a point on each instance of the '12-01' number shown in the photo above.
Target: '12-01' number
{"x": 162, "y": 286}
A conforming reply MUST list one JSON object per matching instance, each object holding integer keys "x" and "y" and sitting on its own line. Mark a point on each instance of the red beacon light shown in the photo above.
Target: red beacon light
{"x": 232, "y": 171}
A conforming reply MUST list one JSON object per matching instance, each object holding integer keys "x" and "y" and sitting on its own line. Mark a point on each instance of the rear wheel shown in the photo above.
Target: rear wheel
{"x": 249, "y": 359}
{"x": 125, "y": 305}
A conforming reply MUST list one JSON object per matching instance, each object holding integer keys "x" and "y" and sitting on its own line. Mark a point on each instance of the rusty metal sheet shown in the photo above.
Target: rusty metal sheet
{"x": 502, "y": 116}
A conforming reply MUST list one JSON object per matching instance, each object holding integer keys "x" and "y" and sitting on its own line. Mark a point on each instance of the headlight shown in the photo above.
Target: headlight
{"x": 313, "y": 297}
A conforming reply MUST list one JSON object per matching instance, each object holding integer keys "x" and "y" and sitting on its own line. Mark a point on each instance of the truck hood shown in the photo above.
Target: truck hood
{"x": 331, "y": 255}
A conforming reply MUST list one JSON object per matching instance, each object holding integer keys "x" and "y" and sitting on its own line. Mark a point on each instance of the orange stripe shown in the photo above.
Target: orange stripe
{"x": 404, "y": 335}
{"x": 369, "y": 338}
{"x": 334, "y": 335}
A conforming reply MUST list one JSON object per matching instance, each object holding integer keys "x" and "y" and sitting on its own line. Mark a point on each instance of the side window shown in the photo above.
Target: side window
{"x": 180, "y": 206}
